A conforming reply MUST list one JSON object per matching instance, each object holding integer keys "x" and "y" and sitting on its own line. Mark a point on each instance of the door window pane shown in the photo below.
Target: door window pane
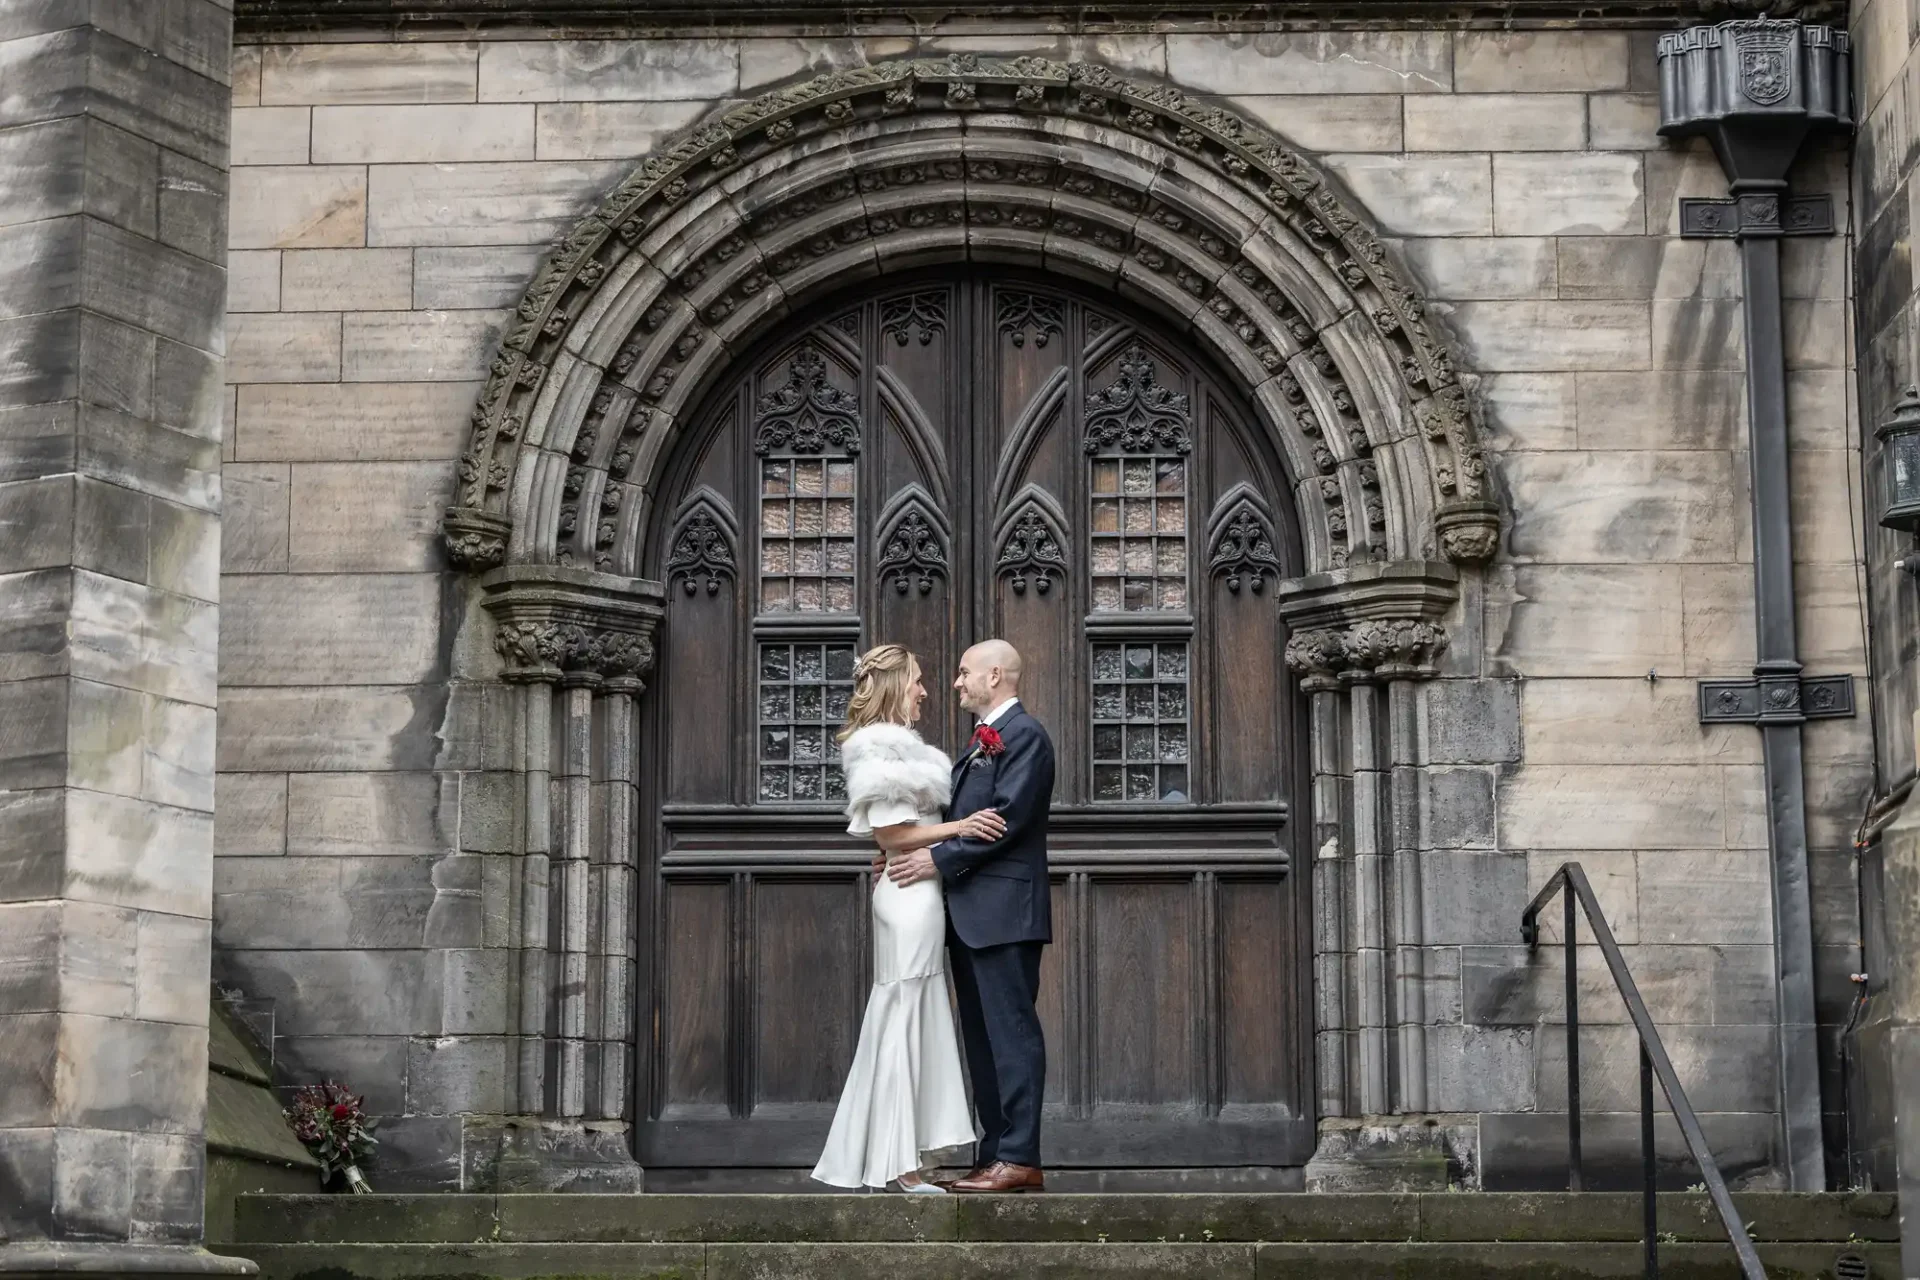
{"x": 804, "y": 689}
{"x": 1140, "y": 730}
{"x": 1139, "y": 544}
{"x": 806, "y": 535}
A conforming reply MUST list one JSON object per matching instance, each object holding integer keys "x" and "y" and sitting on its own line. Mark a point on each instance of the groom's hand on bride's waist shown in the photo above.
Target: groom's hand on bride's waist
{"x": 912, "y": 868}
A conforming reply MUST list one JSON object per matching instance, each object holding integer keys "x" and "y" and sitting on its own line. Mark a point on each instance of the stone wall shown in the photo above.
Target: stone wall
{"x": 389, "y": 203}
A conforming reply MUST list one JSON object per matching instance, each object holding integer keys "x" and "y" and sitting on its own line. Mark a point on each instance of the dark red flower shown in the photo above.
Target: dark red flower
{"x": 341, "y": 1111}
{"x": 988, "y": 739}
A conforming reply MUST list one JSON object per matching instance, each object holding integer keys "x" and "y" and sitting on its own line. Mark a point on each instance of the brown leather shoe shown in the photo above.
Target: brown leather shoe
{"x": 1001, "y": 1176}
{"x": 946, "y": 1184}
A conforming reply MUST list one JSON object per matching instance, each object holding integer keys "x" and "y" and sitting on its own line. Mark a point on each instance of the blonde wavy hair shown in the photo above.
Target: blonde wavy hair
{"x": 882, "y": 688}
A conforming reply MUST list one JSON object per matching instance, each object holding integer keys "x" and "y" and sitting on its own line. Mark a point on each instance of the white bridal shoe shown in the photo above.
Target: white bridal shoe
{"x": 922, "y": 1189}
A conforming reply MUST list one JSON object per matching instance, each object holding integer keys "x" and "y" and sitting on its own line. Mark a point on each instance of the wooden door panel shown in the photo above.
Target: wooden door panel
{"x": 696, "y": 976}
{"x": 1259, "y": 1057}
{"x": 1141, "y": 1001}
{"x": 809, "y": 981}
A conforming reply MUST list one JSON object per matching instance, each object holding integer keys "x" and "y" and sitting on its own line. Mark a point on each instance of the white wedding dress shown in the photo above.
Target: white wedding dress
{"x": 905, "y": 1097}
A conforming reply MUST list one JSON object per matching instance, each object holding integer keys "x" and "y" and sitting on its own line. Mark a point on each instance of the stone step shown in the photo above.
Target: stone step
{"x": 1378, "y": 1260}
{"x": 1193, "y": 1219}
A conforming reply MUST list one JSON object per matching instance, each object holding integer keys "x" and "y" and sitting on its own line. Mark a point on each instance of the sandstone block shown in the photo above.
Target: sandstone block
{"x": 183, "y": 553}
{"x": 405, "y": 72}
{"x": 1813, "y": 267}
{"x": 1463, "y": 267}
{"x": 1718, "y": 607}
{"x": 472, "y": 279}
{"x": 1592, "y": 806}
{"x": 127, "y": 634}
{"x": 1331, "y": 122}
{"x": 420, "y": 346}
{"x": 1625, "y": 721}
{"x": 305, "y": 729}
{"x": 346, "y": 279}
{"x": 250, "y": 814}
{"x": 437, "y": 134}
{"x": 141, "y": 455}
{"x": 1529, "y": 410}
{"x": 605, "y": 130}
{"x": 321, "y": 903}
{"x": 1539, "y": 61}
{"x": 1470, "y": 721}
{"x": 134, "y": 853}
{"x": 1586, "y": 620}
{"x": 1480, "y": 1068}
{"x": 456, "y": 1075}
{"x": 1627, "y": 508}
{"x": 254, "y": 526}
{"x": 608, "y": 70}
{"x": 1423, "y": 195}
{"x": 1497, "y": 122}
{"x": 1702, "y": 895}
{"x": 1663, "y": 410}
{"x": 1823, "y": 483}
{"x": 1734, "y": 1067}
{"x": 1646, "y": 267}
{"x": 283, "y": 347}
{"x": 1816, "y": 333}
{"x": 328, "y": 629}
{"x": 473, "y": 204}
{"x": 367, "y": 516}
{"x": 330, "y": 993}
{"x": 1545, "y": 193}
{"x": 1313, "y": 62}
{"x": 1547, "y": 336}
{"x": 246, "y": 75}
{"x": 111, "y": 528}
{"x": 298, "y": 207}
{"x": 369, "y": 815}
{"x": 1623, "y": 121}
{"x": 765, "y": 61}
{"x": 272, "y": 135}
{"x": 354, "y": 421}
{"x": 1702, "y": 334}
{"x": 172, "y": 957}
{"x": 253, "y": 280}
{"x": 128, "y": 85}
{"x": 377, "y": 1064}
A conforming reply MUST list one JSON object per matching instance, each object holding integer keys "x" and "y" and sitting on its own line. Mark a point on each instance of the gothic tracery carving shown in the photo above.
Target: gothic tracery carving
{"x": 808, "y": 414}
{"x": 1032, "y": 543}
{"x": 912, "y": 542}
{"x": 921, "y": 316}
{"x": 701, "y": 552}
{"x": 1242, "y": 547}
{"x": 1135, "y": 414}
{"x": 1026, "y": 316}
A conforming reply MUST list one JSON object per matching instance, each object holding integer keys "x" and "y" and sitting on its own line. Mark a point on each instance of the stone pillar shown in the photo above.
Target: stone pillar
{"x": 1360, "y": 639}
{"x": 579, "y": 641}
{"x": 113, "y": 159}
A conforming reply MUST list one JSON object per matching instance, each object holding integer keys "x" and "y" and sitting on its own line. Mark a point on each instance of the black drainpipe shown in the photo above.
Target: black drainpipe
{"x": 1756, "y": 89}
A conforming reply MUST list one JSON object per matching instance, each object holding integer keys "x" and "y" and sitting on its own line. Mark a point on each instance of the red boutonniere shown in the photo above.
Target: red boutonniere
{"x": 987, "y": 738}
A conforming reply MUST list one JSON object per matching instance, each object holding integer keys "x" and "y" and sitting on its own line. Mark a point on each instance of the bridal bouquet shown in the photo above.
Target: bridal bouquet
{"x": 336, "y": 1128}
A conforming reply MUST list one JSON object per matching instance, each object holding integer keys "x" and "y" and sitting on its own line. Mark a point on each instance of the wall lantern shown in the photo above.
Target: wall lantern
{"x": 1900, "y": 460}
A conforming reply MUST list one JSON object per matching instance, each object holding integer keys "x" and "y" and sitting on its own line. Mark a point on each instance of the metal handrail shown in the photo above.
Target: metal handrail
{"x": 1653, "y": 1062}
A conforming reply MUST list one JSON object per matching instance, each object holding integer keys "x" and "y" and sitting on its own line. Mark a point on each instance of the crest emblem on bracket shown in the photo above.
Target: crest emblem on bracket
{"x": 1766, "y": 75}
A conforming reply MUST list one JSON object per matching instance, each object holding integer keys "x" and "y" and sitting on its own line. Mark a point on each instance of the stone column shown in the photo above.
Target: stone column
{"x": 1361, "y": 638}
{"x": 113, "y": 182}
{"x": 580, "y": 641}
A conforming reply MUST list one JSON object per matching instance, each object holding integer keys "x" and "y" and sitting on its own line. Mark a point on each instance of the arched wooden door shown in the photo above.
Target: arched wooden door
{"x": 933, "y": 462}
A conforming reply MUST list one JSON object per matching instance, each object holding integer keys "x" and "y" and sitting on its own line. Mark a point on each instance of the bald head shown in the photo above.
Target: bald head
{"x": 989, "y": 675}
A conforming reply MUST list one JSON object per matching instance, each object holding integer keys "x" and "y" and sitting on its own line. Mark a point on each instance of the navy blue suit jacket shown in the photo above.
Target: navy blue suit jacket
{"x": 997, "y": 890}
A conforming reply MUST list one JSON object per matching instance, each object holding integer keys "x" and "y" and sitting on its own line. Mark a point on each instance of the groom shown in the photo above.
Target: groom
{"x": 998, "y": 916}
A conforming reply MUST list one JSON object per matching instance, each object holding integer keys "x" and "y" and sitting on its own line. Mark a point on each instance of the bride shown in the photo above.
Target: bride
{"x": 904, "y": 1097}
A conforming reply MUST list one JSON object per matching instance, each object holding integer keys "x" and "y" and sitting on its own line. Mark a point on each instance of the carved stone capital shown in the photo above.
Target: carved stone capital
{"x": 1467, "y": 532}
{"x": 476, "y": 539}
{"x": 573, "y": 626}
{"x": 1368, "y": 622}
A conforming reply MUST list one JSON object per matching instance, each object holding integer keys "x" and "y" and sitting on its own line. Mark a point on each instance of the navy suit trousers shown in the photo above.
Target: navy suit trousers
{"x": 996, "y": 988}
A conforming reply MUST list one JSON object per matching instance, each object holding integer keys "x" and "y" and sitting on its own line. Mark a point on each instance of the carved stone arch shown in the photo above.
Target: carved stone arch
{"x": 1184, "y": 206}
{"x": 1030, "y": 541}
{"x": 910, "y": 547}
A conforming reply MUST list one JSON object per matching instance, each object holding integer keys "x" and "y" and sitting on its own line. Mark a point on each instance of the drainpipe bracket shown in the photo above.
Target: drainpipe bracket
{"x": 1778, "y": 699}
{"x": 1754, "y": 215}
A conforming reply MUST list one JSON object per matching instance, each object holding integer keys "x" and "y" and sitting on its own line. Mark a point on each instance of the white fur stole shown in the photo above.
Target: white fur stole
{"x": 888, "y": 763}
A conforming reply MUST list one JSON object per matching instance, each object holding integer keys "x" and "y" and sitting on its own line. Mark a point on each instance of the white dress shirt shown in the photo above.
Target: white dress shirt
{"x": 998, "y": 713}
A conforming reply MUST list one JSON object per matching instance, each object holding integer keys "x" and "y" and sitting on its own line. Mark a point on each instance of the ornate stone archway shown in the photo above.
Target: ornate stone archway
{"x": 1183, "y": 206}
